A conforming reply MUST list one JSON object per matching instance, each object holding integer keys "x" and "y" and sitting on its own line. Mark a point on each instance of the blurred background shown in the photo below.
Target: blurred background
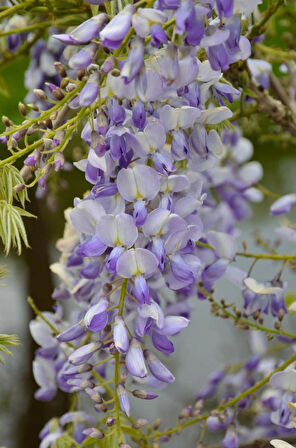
{"x": 207, "y": 343}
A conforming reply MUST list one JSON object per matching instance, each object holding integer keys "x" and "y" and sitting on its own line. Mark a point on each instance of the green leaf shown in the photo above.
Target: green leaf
{"x": 12, "y": 229}
{"x": 9, "y": 340}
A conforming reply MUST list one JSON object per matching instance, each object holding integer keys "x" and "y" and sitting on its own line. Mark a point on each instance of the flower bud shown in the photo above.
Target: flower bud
{"x": 40, "y": 94}
{"x": 60, "y": 69}
{"x": 22, "y": 109}
{"x": 94, "y": 433}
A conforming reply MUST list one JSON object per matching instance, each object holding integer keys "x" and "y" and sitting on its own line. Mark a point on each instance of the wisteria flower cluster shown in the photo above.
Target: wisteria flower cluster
{"x": 149, "y": 87}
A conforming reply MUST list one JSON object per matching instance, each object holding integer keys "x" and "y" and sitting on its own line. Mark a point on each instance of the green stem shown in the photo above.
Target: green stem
{"x": 12, "y": 10}
{"x": 43, "y": 116}
{"x": 230, "y": 403}
{"x": 266, "y": 256}
{"x": 117, "y": 365}
{"x": 40, "y": 314}
{"x": 56, "y": 332}
{"x": 248, "y": 322}
{"x": 253, "y": 255}
{"x": 259, "y": 27}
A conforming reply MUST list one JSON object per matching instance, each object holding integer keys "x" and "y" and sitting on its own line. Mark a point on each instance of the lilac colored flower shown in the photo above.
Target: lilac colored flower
{"x": 136, "y": 262}
{"x": 115, "y": 31}
{"x": 45, "y": 376}
{"x": 173, "y": 325}
{"x": 89, "y": 93}
{"x": 144, "y": 395}
{"x": 141, "y": 290}
{"x": 96, "y": 317}
{"x": 140, "y": 182}
{"x": 120, "y": 335}
{"x": 85, "y": 32}
{"x": 225, "y": 7}
{"x": 94, "y": 433}
{"x": 118, "y": 230}
{"x": 231, "y": 439}
{"x": 84, "y": 57}
{"x": 84, "y": 353}
{"x": 158, "y": 36}
{"x": 71, "y": 333}
{"x": 162, "y": 343}
{"x": 123, "y": 399}
{"x": 139, "y": 115}
{"x": 144, "y": 18}
{"x": 158, "y": 369}
{"x": 283, "y": 205}
{"x": 134, "y": 360}
{"x": 134, "y": 61}
{"x": 116, "y": 112}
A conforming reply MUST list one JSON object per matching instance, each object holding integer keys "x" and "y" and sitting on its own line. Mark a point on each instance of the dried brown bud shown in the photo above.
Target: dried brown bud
{"x": 277, "y": 325}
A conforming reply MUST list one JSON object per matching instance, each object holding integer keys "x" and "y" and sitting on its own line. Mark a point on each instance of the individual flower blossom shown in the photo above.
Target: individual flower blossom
{"x": 85, "y": 32}
{"x": 115, "y": 31}
{"x": 283, "y": 205}
{"x": 260, "y": 71}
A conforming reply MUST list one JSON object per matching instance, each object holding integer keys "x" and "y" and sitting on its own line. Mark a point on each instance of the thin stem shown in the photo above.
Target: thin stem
{"x": 117, "y": 365}
{"x": 43, "y": 116}
{"x": 267, "y": 256}
{"x": 40, "y": 314}
{"x": 248, "y": 322}
{"x": 259, "y": 27}
{"x": 15, "y": 8}
{"x": 253, "y": 255}
{"x": 230, "y": 403}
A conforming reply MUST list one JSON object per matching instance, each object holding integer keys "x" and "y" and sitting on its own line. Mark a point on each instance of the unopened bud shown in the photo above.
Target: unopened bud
{"x": 94, "y": 433}
{"x": 6, "y": 121}
{"x": 19, "y": 187}
{"x": 140, "y": 423}
{"x": 64, "y": 82}
{"x": 22, "y": 109}
{"x": 80, "y": 74}
{"x": 60, "y": 69}
{"x": 101, "y": 407}
{"x": 143, "y": 394}
{"x": 57, "y": 94}
{"x": 110, "y": 421}
{"x": 33, "y": 107}
{"x": 48, "y": 123}
{"x": 277, "y": 325}
{"x": 157, "y": 423}
{"x": 26, "y": 173}
{"x": 40, "y": 94}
